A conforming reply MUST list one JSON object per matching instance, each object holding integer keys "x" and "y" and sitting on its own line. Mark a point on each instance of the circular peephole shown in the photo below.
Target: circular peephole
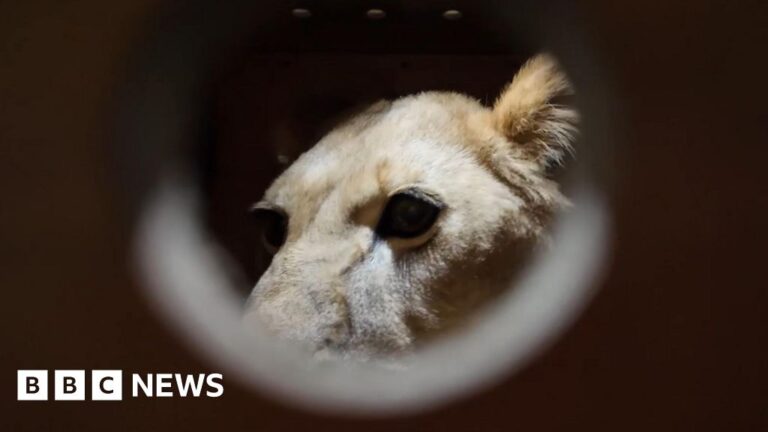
{"x": 438, "y": 231}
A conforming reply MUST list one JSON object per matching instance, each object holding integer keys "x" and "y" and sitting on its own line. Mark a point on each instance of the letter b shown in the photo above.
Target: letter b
{"x": 69, "y": 385}
{"x": 32, "y": 385}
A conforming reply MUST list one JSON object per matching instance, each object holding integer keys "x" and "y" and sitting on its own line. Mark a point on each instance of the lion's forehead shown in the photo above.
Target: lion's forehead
{"x": 419, "y": 140}
{"x": 371, "y": 171}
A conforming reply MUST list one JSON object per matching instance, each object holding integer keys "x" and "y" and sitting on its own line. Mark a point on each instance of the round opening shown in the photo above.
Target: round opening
{"x": 225, "y": 97}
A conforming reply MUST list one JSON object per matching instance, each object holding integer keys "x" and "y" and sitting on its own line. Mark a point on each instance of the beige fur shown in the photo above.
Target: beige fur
{"x": 337, "y": 286}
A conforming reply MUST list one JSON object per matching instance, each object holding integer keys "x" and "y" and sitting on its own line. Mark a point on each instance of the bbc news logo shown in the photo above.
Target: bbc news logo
{"x": 107, "y": 385}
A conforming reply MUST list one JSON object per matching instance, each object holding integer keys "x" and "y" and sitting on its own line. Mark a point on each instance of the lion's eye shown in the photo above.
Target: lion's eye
{"x": 273, "y": 224}
{"x": 408, "y": 214}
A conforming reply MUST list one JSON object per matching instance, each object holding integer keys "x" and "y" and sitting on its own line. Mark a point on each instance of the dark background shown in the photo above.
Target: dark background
{"x": 675, "y": 340}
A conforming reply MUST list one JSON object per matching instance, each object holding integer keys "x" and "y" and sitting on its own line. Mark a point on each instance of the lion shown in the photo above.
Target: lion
{"x": 408, "y": 216}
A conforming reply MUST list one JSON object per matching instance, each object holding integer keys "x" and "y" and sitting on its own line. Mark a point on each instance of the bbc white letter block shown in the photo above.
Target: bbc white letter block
{"x": 106, "y": 385}
{"x": 69, "y": 385}
{"x": 32, "y": 385}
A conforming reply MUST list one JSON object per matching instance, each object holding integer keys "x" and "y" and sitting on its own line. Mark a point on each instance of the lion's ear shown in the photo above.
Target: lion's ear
{"x": 527, "y": 114}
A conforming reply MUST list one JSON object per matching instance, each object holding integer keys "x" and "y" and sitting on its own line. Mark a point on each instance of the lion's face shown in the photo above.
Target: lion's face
{"x": 402, "y": 220}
